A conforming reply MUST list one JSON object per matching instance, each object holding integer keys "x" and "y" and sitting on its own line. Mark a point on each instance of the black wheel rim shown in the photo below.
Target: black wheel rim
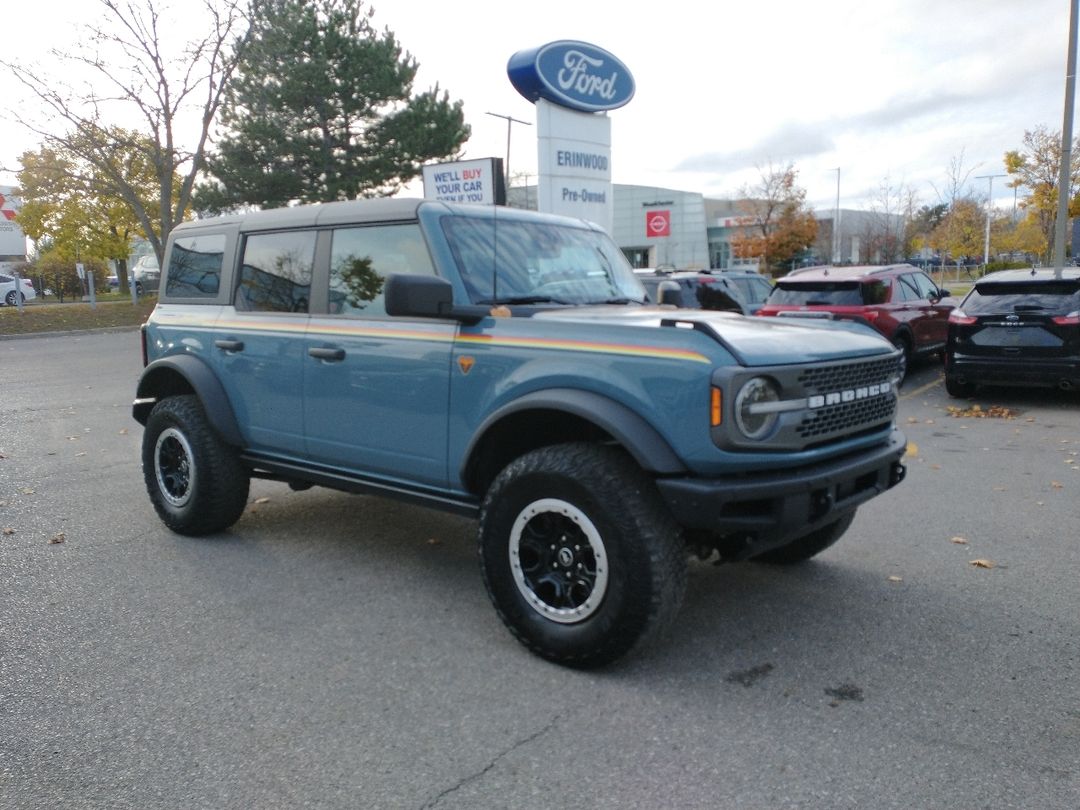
{"x": 558, "y": 560}
{"x": 174, "y": 467}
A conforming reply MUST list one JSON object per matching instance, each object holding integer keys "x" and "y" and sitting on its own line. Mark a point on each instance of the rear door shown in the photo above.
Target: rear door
{"x": 258, "y": 343}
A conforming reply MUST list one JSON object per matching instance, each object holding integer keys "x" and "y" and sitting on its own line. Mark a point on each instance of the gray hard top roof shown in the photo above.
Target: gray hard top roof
{"x": 383, "y": 209}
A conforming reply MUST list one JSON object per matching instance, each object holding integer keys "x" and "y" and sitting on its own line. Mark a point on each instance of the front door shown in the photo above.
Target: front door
{"x": 376, "y": 388}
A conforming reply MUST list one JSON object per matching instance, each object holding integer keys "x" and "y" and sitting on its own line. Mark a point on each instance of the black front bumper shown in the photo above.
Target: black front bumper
{"x": 765, "y": 510}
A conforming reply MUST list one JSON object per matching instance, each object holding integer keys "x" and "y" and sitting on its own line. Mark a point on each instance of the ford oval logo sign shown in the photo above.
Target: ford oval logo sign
{"x": 572, "y": 74}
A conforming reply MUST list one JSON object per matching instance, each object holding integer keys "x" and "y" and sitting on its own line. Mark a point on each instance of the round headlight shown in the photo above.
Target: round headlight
{"x": 752, "y": 412}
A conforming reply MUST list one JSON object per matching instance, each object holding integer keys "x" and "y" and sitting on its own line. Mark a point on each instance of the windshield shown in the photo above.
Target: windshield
{"x": 524, "y": 262}
{"x": 1047, "y": 297}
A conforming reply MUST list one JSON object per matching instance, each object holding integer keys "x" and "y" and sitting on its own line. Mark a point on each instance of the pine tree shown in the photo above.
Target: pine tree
{"x": 322, "y": 109}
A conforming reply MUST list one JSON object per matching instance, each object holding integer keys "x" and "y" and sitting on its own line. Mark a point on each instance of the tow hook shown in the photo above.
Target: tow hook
{"x": 897, "y": 474}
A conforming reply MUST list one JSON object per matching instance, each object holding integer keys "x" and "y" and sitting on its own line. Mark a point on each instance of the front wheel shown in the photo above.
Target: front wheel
{"x": 196, "y": 482}
{"x": 904, "y": 345}
{"x": 579, "y": 555}
{"x": 809, "y": 545}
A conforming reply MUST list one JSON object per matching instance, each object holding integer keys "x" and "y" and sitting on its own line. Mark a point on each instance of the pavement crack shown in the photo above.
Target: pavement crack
{"x": 495, "y": 761}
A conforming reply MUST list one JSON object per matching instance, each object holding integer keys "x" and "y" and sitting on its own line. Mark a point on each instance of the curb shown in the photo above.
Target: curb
{"x": 104, "y": 330}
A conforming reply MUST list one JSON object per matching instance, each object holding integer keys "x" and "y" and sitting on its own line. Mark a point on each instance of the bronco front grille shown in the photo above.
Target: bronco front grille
{"x": 851, "y": 375}
{"x": 846, "y": 417}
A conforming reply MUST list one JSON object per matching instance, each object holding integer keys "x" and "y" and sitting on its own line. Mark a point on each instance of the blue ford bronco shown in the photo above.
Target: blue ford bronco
{"x": 503, "y": 364}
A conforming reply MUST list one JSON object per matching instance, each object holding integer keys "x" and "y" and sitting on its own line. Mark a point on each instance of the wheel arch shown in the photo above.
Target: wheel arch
{"x": 560, "y": 415}
{"x": 186, "y": 374}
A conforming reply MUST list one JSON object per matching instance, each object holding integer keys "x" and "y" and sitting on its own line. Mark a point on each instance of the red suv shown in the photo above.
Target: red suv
{"x": 898, "y": 300}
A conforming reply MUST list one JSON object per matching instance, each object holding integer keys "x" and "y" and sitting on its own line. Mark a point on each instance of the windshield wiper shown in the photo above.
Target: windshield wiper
{"x": 523, "y": 299}
{"x": 613, "y": 301}
{"x": 1028, "y": 308}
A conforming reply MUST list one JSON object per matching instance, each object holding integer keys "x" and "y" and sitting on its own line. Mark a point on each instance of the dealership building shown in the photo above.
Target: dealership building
{"x": 663, "y": 227}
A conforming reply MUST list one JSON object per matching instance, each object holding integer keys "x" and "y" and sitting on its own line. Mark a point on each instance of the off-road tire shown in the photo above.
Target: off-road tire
{"x": 570, "y": 493}
{"x": 960, "y": 390}
{"x": 809, "y": 545}
{"x": 196, "y": 481}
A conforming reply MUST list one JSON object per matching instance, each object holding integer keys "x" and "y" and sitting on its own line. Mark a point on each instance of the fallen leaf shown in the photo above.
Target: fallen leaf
{"x": 26, "y": 491}
{"x": 935, "y": 466}
{"x": 9, "y": 531}
{"x": 434, "y": 541}
{"x": 1057, "y": 485}
{"x": 896, "y": 579}
{"x": 929, "y": 421}
{"x": 912, "y": 450}
{"x": 1039, "y": 503}
{"x": 56, "y": 538}
{"x": 80, "y": 455}
{"x": 123, "y": 432}
{"x": 983, "y": 563}
{"x": 262, "y": 500}
{"x": 960, "y": 541}
{"x": 1001, "y": 489}
{"x": 911, "y": 420}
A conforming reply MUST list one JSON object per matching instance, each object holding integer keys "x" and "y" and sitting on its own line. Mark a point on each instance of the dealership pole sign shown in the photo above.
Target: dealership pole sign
{"x": 573, "y": 85}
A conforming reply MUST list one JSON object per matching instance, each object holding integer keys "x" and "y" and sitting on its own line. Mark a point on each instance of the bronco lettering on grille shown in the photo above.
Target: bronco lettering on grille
{"x": 849, "y": 395}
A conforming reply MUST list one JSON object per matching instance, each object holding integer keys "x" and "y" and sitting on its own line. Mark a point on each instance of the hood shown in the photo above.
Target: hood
{"x": 753, "y": 341}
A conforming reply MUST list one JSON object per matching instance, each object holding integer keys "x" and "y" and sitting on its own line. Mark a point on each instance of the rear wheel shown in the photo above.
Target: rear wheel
{"x": 809, "y": 545}
{"x": 960, "y": 390}
{"x": 195, "y": 481}
{"x": 11, "y": 300}
{"x": 579, "y": 554}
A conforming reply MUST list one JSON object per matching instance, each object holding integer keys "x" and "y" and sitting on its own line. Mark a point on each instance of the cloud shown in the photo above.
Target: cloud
{"x": 790, "y": 142}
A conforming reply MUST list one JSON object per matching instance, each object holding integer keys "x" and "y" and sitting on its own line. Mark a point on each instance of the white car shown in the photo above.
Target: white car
{"x": 7, "y": 289}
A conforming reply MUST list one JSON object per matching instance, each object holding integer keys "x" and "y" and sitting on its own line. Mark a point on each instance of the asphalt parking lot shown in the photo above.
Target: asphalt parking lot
{"x": 339, "y": 651}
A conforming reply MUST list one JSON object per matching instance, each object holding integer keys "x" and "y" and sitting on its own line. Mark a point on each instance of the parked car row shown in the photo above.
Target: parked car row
{"x": 1014, "y": 327}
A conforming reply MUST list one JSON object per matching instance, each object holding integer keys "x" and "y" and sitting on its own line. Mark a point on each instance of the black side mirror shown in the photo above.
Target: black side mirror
{"x": 943, "y": 294}
{"x": 416, "y": 296}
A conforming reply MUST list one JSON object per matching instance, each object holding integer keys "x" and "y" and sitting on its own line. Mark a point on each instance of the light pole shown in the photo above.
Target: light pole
{"x": 989, "y": 209}
{"x": 836, "y": 223}
{"x": 509, "y": 125}
{"x": 1064, "y": 180}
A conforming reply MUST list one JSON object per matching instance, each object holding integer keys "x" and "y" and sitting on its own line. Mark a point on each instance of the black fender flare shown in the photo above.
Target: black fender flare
{"x": 201, "y": 379}
{"x": 649, "y": 449}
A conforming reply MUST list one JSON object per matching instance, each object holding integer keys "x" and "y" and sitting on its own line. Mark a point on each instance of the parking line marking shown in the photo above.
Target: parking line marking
{"x": 918, "y": 391}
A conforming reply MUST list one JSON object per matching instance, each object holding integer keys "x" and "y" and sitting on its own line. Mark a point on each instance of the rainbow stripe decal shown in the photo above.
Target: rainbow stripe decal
{"x": 446, "y": 335}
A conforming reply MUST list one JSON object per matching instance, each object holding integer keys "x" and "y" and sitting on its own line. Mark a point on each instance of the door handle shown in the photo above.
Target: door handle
{"x": 330, "y": 355}
{"x": 230, "y": 345}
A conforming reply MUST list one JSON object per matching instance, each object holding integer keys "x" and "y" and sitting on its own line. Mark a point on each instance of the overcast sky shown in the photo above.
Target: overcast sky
{"x": 884, "y": 89}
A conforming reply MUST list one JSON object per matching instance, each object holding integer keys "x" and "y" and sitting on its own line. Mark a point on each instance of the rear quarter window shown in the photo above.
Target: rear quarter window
{"x": 194, "y": 269}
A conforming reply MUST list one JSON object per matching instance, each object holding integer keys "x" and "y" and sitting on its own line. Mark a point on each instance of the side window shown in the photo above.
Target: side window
{"x": 927, "y": 288}
{"x": 195, "y": 266}
{"x": 275, "y": 274}
{"x": 876, "y": 292}
{"x": 906, "y": 289}
{"x": 362, "y": 258}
